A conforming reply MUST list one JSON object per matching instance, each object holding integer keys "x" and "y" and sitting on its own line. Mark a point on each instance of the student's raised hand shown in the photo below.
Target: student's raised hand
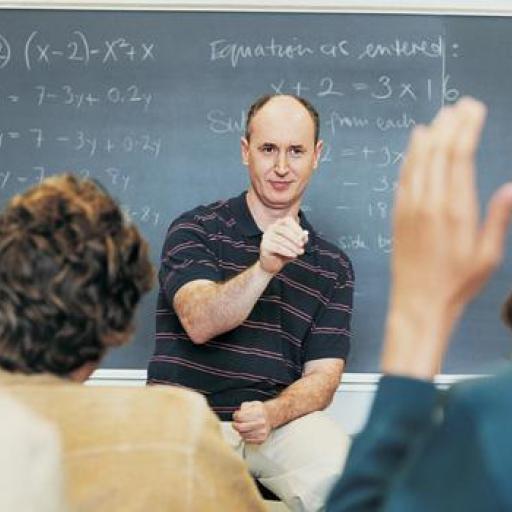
{"x": 442, "y": 253}
{"x": 282, "y": 242}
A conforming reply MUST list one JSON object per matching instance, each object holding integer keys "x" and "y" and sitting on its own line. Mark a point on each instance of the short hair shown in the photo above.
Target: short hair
{"x": 263, "y": 100}
{"x": 72, "y": 270}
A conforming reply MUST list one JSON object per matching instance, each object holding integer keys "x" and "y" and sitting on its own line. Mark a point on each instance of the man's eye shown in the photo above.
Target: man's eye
{"x": 267, "y": 149}
{"x": 296, "y": 152}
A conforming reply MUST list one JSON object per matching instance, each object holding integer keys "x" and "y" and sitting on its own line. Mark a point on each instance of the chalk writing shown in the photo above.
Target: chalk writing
{"x": 234, "y": 52}
{"x": 385, "y": 87}
{"x": 88, "y": 142}
{"x": 5, "y": 52}
{"x": 432, "y": 48}
{"x": 21, "y": 178}
{"x": 377, "y": 156}
{"x": 353, "y": 242}
{"x": 69, "y": 96}
{"x": 77, "y": 49}
{"x": 219, "y": 122}
{"x": 146, "y": 214}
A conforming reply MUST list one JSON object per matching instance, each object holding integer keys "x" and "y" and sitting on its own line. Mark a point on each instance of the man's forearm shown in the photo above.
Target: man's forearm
{"x": 312, "y": 392}
{"x": 207, "y": 309}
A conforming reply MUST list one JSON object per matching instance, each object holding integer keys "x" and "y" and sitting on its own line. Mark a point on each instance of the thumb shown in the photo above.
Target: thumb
{"x": 494, "y": 230}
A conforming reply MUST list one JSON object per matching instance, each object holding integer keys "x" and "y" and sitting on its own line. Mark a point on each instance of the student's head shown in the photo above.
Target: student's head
{"x": 72, "y": 271}
{"x": 281, "y": 148}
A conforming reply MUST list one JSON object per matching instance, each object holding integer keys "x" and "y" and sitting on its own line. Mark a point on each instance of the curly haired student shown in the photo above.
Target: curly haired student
{"x": 72, "y": 271}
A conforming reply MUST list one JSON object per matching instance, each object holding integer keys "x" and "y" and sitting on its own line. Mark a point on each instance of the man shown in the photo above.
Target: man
{"x": 254, "y": 311}
{"x": 421, "y": 450}
{"x": 72, "y": 271}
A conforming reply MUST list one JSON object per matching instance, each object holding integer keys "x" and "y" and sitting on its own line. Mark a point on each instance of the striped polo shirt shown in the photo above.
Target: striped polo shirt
{"x": 303, "y": 314}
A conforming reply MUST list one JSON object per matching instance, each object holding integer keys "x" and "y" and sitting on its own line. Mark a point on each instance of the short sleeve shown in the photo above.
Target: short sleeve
{"x": 188, "y": 254}
{"x": 329, "y": 336}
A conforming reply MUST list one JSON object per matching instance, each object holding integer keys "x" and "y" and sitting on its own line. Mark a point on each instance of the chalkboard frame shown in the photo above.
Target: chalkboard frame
{"x": 450, "y": 7}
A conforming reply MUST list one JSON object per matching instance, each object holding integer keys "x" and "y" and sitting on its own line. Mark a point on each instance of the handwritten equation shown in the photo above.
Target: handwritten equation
{"x": 117, "y": 180}
{"x": 80, "y": 99}
{"x": 385, "y": 87}
{"x": 40, "y": 51}
{"x": 84, "y": 141}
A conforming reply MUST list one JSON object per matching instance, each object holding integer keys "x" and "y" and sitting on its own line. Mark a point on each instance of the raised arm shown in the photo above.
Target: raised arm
{"x": 442, "y": 257}
{"x": 207, "y": 308}
{"x": 437, "y": 229}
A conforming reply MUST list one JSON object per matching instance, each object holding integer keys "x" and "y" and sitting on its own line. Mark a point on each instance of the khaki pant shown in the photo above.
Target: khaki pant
{"x": 299, "y": 462}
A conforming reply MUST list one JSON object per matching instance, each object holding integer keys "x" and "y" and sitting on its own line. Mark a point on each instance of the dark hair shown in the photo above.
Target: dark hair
{"x": 263, "y": 100}
{"x": 72, "y": 271}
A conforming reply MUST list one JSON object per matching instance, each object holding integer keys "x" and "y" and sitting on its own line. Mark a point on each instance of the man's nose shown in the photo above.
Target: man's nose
{"x": 281, "y": 164}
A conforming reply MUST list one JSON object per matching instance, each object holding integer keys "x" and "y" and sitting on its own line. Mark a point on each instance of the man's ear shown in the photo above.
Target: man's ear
{"x": 318, "y": 152}
{"x": 244, "y": 149}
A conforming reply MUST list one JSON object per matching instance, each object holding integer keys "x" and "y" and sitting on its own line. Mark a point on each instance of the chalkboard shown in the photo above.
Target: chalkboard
{"x": 152, "y": 104}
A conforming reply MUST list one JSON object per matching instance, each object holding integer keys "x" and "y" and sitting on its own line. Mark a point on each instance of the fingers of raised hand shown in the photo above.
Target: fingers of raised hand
{"x": 444, "y": 133}
{"x": 461, "y": 180}
{"x": 472, "y": 115}
{"x": 494, "y": 230}
{"x": 453, "y": 135}
{"x": 437, "y": 173}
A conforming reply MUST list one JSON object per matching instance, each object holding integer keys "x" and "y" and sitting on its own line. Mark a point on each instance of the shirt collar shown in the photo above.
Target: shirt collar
{"x": 249, "y": 228}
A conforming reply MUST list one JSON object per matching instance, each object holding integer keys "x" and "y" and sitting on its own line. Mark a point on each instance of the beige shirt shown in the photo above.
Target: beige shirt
{"x": 30, "y": 461}
{"x": 139, "y": 449}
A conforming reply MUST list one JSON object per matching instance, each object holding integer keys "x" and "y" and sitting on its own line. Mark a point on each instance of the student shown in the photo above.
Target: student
{"x": 72, "y": 271}
{"x": 422, "y": 451}
{"x": 254, "y": 311}
{"x": 31, "y": 476}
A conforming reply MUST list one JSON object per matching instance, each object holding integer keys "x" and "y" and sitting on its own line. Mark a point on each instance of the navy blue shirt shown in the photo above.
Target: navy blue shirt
{"x": 303, "y": 314}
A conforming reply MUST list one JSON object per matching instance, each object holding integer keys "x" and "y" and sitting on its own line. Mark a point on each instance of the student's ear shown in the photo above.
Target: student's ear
{"x": 82, "y": 373}
{"x": 319, "y": 146}
{"x": 244, "y": 149}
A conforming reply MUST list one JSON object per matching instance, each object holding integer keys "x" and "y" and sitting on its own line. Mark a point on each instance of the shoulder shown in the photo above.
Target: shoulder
{"x": 165, "y": 403}
{"x": 492, "y": 393}
{"x": 205, "y": 217}
{"x": 203, "y": 213}
{"x": 483, "y": 407}
{"x": 166, "y": 412}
